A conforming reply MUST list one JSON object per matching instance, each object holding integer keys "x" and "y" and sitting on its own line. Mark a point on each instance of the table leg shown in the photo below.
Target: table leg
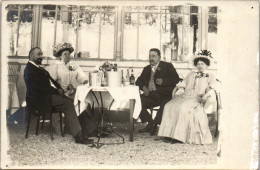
{"x": 131, "y": 128}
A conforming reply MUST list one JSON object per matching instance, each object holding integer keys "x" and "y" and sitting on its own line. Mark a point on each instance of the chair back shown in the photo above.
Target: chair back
{"x": 13, "y": 71}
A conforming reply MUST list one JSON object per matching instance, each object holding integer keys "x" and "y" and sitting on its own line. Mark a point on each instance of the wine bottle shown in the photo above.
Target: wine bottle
{"x": 115, "y": 67}
{"x": 123, "y": 79}
{"x": 127, "y": 78}
{"x": 132, "y": 78}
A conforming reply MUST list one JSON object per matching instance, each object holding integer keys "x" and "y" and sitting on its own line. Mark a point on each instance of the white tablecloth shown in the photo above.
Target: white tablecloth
{"x": 120, "y": 94}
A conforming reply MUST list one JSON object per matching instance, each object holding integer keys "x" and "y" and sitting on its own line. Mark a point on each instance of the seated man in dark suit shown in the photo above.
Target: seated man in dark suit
{"x": 157, "y": 82}
{"x": 41, "y": 97}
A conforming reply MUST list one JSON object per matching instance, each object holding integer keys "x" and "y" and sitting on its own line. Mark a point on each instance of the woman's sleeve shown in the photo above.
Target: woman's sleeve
{"x": 53, "y": 71}
{"x": 81, "y": 76}
{"x": 185, "y": 80}
{"x": 213, "y": 84}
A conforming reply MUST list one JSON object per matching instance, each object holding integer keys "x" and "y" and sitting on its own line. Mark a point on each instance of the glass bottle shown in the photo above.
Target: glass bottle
{"x": 115, "y": 67}
{"x": 132, "y": 77}
{"x": 123, "y": 79}
{"x": 127, "y": 78}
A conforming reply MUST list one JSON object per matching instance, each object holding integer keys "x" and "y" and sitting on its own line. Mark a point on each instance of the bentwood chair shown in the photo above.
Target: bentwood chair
{"x": 13, "y": 76}
{"x": 43, "y": 119}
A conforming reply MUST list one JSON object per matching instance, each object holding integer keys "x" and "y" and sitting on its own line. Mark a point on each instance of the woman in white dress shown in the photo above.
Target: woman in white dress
{"x": 184, "y": 118}
{"x": 69, "y": 75}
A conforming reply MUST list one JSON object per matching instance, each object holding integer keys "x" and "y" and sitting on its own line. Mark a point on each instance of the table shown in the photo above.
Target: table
{"x": 119, "y": 94}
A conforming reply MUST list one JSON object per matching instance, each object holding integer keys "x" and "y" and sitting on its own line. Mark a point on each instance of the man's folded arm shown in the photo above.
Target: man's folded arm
{"x": 172, "y": 77}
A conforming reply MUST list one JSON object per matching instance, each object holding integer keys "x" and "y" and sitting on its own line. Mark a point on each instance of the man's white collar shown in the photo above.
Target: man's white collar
{"x": 34, "y": 64}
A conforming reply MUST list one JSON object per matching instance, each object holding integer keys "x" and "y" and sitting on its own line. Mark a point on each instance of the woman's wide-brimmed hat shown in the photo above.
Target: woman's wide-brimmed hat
{"x": 60, "y": 47}
{"x": 204, "y": 54}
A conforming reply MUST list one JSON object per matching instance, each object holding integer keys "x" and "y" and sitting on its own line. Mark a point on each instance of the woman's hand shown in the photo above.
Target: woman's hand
{"x": 70, "y": 87}
{"x": 146, "y": 91}
{"x": 85, "y": 82}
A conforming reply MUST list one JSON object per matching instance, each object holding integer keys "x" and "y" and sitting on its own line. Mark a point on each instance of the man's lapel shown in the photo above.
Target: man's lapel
{"x": 158, "y": 70}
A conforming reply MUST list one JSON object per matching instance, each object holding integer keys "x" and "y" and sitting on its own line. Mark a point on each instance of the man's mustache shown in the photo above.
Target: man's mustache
{"x": 151, "y": 61}
{"x": 39, "y": 59}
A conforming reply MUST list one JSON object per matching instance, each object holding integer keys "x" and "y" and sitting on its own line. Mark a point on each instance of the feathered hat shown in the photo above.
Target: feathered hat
{"x": 204, "y": 54}
{"x": 60, "y": 47}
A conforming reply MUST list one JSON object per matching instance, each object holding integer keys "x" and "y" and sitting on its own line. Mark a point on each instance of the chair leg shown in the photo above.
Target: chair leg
{"x": 61, "y": 131}
{"x": 43, "y": 119}
{"x": 28, "y": 124}
{"x": 51, "y": 126}
{"x": 37, "y": 126}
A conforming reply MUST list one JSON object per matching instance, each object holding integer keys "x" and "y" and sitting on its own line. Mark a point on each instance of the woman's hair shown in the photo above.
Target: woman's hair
{"x": 61, "y": 51}
{"x": 203, "y": 59}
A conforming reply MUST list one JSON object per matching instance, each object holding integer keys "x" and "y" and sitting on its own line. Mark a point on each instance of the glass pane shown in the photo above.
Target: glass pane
{"x": 213, "y": 9}
{"x": 11, "y": 31}
{"x": 108, "y": 8}
{"x": 194, "y": 9}
{"x": 67, "y": 28}
{"x": 25, "y": 33}
{"x": 12, "y": 7}
{"x": 130, "y": 36}
{"x": 212, "y": 34}
{"x": 107, "y": 36}
{"x": 88, "y": 35}
{"x": 149, "y": 9}
{"x": 149, "y": 34}
{"x": 130, "y": 8}
{"x": 171, "y": 36}
{"x": 49, "y": 7}
{"x": 47, "y": 35}
{"x": 27, "y": 7}
{"x": 175, "y": 9}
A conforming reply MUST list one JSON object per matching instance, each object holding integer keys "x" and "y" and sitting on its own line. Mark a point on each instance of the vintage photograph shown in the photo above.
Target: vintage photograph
{"x": 134, "y": 84}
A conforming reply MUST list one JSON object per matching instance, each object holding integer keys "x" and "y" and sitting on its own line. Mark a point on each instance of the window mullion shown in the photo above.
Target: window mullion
{"x": 18, "y": 27}
{"x": 99, "y": 34}
{"x": 137, "y": 49}
{"x": 77, "y": 33}
{"x": 55, "y": 25}
{"x": 161, "y": 32}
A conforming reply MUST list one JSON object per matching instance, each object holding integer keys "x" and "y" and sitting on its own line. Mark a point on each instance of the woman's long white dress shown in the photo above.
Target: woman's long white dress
{"x": 184, "y": 117}
{"x": 66, "y": 74}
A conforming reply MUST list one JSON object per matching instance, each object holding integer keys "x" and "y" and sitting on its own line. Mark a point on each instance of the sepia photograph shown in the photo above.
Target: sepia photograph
{"x": 129, "y": 84}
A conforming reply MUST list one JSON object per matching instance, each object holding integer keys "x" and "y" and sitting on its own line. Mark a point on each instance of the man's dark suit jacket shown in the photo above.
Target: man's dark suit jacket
{"x": 39, "y": 89}
{"x": 166, "y": 71}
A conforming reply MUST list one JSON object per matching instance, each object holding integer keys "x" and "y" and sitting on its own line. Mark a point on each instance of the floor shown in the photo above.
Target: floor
{"x": 145, "y": 150}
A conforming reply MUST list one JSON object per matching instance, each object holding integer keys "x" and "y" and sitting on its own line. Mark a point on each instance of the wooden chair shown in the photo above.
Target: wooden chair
{"x": 14, "y": 69}
{"x": 38, "y": 122}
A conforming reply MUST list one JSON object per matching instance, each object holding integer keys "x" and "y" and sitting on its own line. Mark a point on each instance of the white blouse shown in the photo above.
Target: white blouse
{"x": 66, "y": 74}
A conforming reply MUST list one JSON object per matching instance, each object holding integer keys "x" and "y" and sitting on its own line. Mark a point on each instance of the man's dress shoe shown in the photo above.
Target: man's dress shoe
{"x": 81, "y": 139}
{"x": 147, "y": 128}
{"x": 153, "y": 130}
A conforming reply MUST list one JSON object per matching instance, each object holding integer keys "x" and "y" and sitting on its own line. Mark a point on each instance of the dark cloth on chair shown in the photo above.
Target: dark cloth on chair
{"x": 154, "y": 99}
{"x": 41, "y": 97}
{"x": 163, "y": 92}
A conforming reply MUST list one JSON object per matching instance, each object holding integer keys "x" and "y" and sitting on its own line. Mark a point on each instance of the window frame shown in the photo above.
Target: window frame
{"x": 119, "y": 13}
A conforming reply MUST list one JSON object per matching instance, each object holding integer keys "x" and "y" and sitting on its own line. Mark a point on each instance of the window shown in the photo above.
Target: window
{"x": 212, "y": 30}
{"x": 90, "y": 29}
{"x": 112, "y": 32}
{"x": 19, "y": 29}
{"x": 172, "y": 29}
